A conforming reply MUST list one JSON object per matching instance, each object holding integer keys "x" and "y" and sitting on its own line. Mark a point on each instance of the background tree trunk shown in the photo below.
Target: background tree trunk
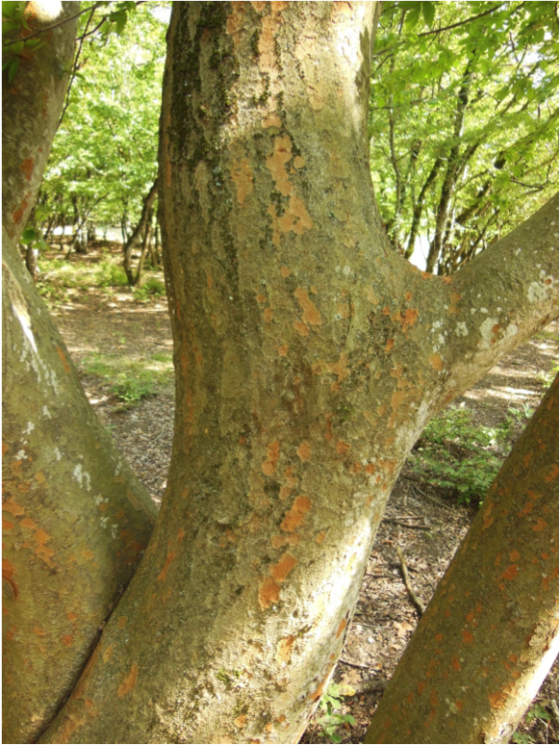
{"x": 490, "y": 633}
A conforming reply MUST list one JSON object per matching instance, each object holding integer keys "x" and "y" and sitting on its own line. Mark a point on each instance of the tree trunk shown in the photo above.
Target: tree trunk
{"x": 309, "y": 357}
{"x": 148, "y": 202}
{"x": 75, "y": 519}
{"x": 490, "y": 633}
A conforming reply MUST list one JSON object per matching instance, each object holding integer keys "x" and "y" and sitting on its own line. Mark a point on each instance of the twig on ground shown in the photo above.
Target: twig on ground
{"x": 353, "y": 664}
{"x": 413, "y": 596}
{"x": 439, "y": 502}
{"x": 406, "y": 524}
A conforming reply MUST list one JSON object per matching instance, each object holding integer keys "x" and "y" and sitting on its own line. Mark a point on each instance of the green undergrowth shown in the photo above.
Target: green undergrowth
{"x": 460, "y": 457}
{"x": 331, "y": 717}
{"x": 131, "y": 380}
{"x": 70, "y": 281}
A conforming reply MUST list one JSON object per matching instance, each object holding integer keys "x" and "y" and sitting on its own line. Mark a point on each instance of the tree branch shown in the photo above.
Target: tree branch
{"x": 501, "y": 298}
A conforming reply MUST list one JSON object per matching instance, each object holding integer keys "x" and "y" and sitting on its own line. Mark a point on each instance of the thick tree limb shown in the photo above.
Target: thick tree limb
{"x": 490, "y": 633}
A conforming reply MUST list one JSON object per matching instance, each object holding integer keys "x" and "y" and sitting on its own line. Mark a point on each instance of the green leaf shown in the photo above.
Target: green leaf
{"x": 429, "y": 12}
{"x": 13, "y": 68}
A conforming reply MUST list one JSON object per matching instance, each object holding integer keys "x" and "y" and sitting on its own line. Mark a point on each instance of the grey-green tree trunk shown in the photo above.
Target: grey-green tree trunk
{"x": 490, "y": 633}
{"x": 309, "y": 357}
{"x": 75, "y": 519}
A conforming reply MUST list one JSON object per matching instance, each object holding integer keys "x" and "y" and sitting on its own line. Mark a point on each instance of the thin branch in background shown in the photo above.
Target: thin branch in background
{"x": 75, "y": 67}
{"x": 40, "y": 31}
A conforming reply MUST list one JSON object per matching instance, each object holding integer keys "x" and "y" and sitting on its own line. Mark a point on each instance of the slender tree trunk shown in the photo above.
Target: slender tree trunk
{"x": 309, "y": 357}
{"x": 149, "y": 200}
{"x": 490, "y": 633}
{"x": 442, "y": 213}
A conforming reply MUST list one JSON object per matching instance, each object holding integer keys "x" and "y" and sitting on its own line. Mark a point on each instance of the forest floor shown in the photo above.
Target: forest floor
{"x": 114, "y": 334}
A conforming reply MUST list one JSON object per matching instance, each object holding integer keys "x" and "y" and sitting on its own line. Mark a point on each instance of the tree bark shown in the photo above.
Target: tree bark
{"x": 75, "y": 519}
{"x": 309, "y": 357}
{"x": 490, "y": 633}
{"x": 31, "y": 106}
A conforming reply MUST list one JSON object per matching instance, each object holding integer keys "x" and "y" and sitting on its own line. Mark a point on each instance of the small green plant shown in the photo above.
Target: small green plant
{"x": 131, "y": 380}
{"x": 152, "y": 287}
{"x": 537, "y": 712}
{"x": 522, "y": 737}
{"x": 331, "y": 718}
{"x": 108, "y": 274}
{"x": 456, "y": 455}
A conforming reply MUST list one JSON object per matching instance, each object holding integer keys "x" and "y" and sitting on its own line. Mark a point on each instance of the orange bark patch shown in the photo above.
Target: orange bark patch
{"x": 281, "y": 570}
{"x": 284, "y": 649}
{"x": 283, "y": 350}
{"x": 129, "y": 683}
{"x": 455, "y": 663}
{"x": 273, "y": 453}
{"x": 243, "y": 178}
{"x": 342, "y": 447}
{"x": 552, "y": 475}
{"x": 7, "y": 571}
{"x": 390, "y": 344}
{"x": 341, "y": 626}
{"x": 539, "y": 526}
{"x": 295, "y": 517}
{"x": 407, "y": 319}
{"x": 546, "y": 580}
{"x": 241, "y": 721}
{"x": 340, "y": 368}
{"x": 268, "y": 315}
{"x": 67, "y": 640}
{"x": 497, "y": 700}
{"x": 278, "y": 541}
{"x": 163, "y": 574}
{"x": 514, "y": 556}
{"x": 121, "y": 623}
{"x": 454, "y": 298}
{"x": 310, "y": 313}
{"x": 180, "y": 535}
{"x": 27, "y": 168}
{"x": 272, "y": 120}
{"x": 63, "y": 358}
{"x": 436, "y": 361}
{"x": 13, "y": 507}
{"x": 269, "y": 593}
{"x": 301, "y": 328}
{"x": 371, "y": 296}
{"x": 7, "y": 525}
{"x": 107, "y": 654}
{"x": 43, "y": 551}
{"x": 18, "y": 214}
{"x": 285, "y": 271}
{"x": 321, "y": 536}
{"x": 396, "y": 399}
{"x": 299, "y": 162}
{"x": 276, "y": 163}
{"x": 304, "y": 451}
{"x": 468, "y": 638}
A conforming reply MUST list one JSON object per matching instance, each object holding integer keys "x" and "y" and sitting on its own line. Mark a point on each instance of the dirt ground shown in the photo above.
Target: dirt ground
{"x": 419, "y": 519}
